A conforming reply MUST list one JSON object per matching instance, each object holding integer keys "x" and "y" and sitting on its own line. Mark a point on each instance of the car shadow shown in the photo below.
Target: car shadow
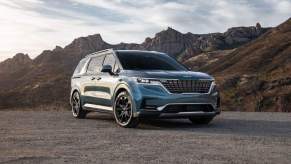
{"x": 224, "y": 126}
{"x": 219, "y": 125}
{"x": 100, "y": 116}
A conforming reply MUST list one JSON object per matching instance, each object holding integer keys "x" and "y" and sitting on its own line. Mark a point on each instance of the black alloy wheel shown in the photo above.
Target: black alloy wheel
{"x": 76, "y": 106}
{"x": 123, "y": 111}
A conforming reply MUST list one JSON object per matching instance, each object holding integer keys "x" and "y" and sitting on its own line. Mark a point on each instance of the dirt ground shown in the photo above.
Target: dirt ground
{"x": 56, "y": 137}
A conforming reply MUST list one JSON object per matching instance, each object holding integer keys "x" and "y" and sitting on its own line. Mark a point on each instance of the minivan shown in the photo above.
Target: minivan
{"x": 134, "y": 85}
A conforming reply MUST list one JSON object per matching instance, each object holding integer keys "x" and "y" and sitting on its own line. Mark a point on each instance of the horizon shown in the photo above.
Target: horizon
{"x": 32, "y": 26}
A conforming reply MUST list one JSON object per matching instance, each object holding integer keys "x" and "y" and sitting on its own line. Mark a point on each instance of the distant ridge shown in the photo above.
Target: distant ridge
{"x": 46, "y": 79}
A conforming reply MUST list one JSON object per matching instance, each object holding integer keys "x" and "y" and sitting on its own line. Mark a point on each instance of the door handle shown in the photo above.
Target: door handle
{"x": 96, "y": 78}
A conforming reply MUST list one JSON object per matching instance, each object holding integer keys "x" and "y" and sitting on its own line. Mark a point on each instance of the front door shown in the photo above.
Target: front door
{"x": 92, "y": 90}
{"x": 108, "y": 81}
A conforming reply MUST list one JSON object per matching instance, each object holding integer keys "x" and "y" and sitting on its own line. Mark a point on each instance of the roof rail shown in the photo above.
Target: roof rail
{"x": 99, "y": 52}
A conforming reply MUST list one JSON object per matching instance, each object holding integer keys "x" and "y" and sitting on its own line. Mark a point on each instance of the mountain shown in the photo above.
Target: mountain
{"x": 204, "y": 59}
{"x": 45, "y": 80}
{"x": 18, "y": 62}
{"x": 257, "y": 75}
{"x": 184, "y": 46}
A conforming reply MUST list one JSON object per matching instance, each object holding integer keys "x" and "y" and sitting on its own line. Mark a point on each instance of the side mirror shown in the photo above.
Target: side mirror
{"x": 107, "y": 68}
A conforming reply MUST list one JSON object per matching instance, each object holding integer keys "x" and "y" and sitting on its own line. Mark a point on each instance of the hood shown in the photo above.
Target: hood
{"x": 185, "y": 75}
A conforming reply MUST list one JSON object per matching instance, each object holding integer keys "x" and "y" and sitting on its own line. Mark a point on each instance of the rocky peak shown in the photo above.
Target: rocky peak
{"x": 171, "y": 30}
{"x": 83, "y": 42}
{"x": 170, "y": 41}
{"x": 19, "y": 58}
{"x": 258, "y": 26}
{"x": 84, "y": 45}
{"x": 169, "y": 33}
{"x": 18, "y": 61}
{"x": 58, "y": 48}
{"x": 241, "y": 35}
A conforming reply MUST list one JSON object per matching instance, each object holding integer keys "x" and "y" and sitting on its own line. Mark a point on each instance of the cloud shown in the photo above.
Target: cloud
{"x": 31, "y": 26}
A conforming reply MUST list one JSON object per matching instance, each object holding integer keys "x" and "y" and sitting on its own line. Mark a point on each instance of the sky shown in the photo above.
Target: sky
{"x": 31, "y": 26}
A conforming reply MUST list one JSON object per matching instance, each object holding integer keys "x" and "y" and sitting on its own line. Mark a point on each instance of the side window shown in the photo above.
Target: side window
{"x": 95, "y": 64}
{"x": 80, "y": 66}
{"x": 109, "y": 60}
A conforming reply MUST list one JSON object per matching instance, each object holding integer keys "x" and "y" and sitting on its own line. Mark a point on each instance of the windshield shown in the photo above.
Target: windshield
{"x": 148, "y": 61}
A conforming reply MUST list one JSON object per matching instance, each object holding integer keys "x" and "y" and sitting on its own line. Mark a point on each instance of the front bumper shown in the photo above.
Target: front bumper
{"x": 151, "y": 114}
{"x": 155, "y": 101}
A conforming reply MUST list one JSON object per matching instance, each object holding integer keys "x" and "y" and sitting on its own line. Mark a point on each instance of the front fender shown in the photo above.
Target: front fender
{"x": 132, "y": 88}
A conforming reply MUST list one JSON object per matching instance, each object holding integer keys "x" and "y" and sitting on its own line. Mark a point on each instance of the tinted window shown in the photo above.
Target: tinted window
{"x": 80, "y": 66}
{"x": 148, "y": 61}
{"x": 109, "y": 60}
{"x": 95, "y": 64}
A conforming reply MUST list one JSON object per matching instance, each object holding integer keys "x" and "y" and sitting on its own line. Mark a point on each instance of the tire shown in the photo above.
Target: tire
{"x": 123, "y": 111}
{"x": 76, "y": 104}
{"x": 201, "y": 120}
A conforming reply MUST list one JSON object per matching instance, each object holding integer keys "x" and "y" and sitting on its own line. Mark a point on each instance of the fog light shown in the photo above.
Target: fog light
{"x": 152, "y": 107}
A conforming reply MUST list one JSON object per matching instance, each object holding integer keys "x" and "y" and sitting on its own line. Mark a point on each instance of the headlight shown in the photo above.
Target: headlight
{"x": 214, "y": 86}
{"x": 142, "y": 80}
{"x": 213, "y": 83}
{"x": 147, "y": 81}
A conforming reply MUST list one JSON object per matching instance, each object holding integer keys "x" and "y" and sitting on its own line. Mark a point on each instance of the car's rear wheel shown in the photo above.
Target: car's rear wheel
{"x": 123, "y": 111}
{"x": 77, "y": 110}
{"x": 201, "y": 120}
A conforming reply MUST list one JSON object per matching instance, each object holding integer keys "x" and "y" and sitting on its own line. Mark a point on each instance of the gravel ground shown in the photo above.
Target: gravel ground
{"x": 56, "y": 137}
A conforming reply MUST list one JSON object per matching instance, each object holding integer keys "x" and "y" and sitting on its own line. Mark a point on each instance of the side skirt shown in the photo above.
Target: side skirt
{"x": 98, "y": 108}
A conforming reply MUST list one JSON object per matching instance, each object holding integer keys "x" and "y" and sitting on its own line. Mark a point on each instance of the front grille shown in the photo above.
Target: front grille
{"x": 187, "y": 86}
{"x": 188, "y": 108}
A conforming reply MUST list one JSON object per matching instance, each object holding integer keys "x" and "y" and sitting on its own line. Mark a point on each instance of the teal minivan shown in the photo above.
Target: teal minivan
{"x": 134, "y": 84}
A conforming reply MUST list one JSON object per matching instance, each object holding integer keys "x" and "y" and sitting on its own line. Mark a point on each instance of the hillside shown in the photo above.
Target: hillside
{"x": 46, "y": 79}
{"x": 257, "y": 76}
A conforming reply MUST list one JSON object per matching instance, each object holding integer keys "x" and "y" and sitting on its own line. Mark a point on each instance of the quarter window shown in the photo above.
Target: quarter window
{"x": 80, "y": 66}
{"x": 109, "y": 60}
{"x": 95, "y": 64}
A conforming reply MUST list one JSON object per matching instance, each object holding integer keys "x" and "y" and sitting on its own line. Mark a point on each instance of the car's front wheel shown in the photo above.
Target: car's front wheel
{"x": 201, "y": 120}
{"x": 123, "y": 111}
{"x": 77, "y": 110}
